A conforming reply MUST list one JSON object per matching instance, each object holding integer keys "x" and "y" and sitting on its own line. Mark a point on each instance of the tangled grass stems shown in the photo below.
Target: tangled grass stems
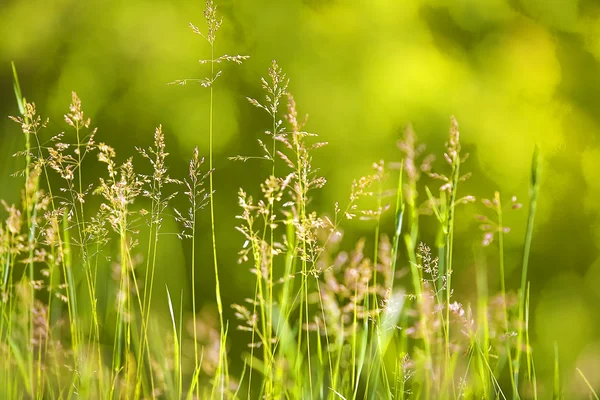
{"x": 369, "y": 301}
{"x": 156, "y": 184}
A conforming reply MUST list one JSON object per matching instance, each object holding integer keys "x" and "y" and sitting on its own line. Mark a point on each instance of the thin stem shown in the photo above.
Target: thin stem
{"x": 534, "y": 189}
{"x": 503, "y": 291}
{"x": 210, "y": 178}
{"x": 449, "y": 247}
{"x": 194, "y": 287}
{"x": 212, "y": 224}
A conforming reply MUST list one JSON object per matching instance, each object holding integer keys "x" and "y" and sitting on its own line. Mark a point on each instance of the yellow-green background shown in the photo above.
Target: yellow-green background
{"x": 513, "y": 72}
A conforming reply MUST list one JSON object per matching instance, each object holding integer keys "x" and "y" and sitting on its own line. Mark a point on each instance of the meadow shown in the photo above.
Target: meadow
{"x": 331, "y": 316}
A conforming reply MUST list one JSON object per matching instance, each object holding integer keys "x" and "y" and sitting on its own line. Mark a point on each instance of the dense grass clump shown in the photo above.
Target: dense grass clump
{"x": 329, "y": 319}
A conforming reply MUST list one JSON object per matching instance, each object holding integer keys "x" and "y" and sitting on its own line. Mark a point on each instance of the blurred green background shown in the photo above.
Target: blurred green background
{"x": 513, "y": 72}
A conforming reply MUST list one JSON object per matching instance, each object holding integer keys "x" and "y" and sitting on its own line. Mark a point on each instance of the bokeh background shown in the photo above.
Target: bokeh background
{"x": 515, "y": 73}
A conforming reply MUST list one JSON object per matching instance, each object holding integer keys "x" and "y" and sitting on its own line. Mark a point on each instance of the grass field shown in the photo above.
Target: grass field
{"x": 375, "y": 319}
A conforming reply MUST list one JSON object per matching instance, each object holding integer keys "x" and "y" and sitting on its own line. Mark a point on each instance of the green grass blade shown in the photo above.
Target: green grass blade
{"x": 588, "y": 384}
{"x": 556, "y": 387}
{"x": 176, "y": 349}
{"x": 17, "y": 89}
{"x": 534, "y": 188}
{"x": 18, "y": 357}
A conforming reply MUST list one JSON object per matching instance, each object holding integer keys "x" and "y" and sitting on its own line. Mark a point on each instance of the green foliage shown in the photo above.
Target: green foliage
{"x": 331, "y": 316}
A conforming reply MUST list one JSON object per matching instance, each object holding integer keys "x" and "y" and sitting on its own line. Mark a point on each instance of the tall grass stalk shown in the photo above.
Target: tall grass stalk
{"x": 213, "y": 23}
{"x": 530, "y": 364}
{"x": 454, "y": 156}
{"x": 534, "y": 188}
{"x": 275, "y": 89}
{"x": 483, "y": 340}
{"x": 498, "y": 203}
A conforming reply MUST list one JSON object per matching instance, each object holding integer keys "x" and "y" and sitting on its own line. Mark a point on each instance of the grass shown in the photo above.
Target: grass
{"x": 329, "y": 319}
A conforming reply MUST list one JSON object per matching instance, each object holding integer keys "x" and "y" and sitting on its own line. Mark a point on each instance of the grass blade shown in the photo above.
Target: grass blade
{"x": 588, "y": 384}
